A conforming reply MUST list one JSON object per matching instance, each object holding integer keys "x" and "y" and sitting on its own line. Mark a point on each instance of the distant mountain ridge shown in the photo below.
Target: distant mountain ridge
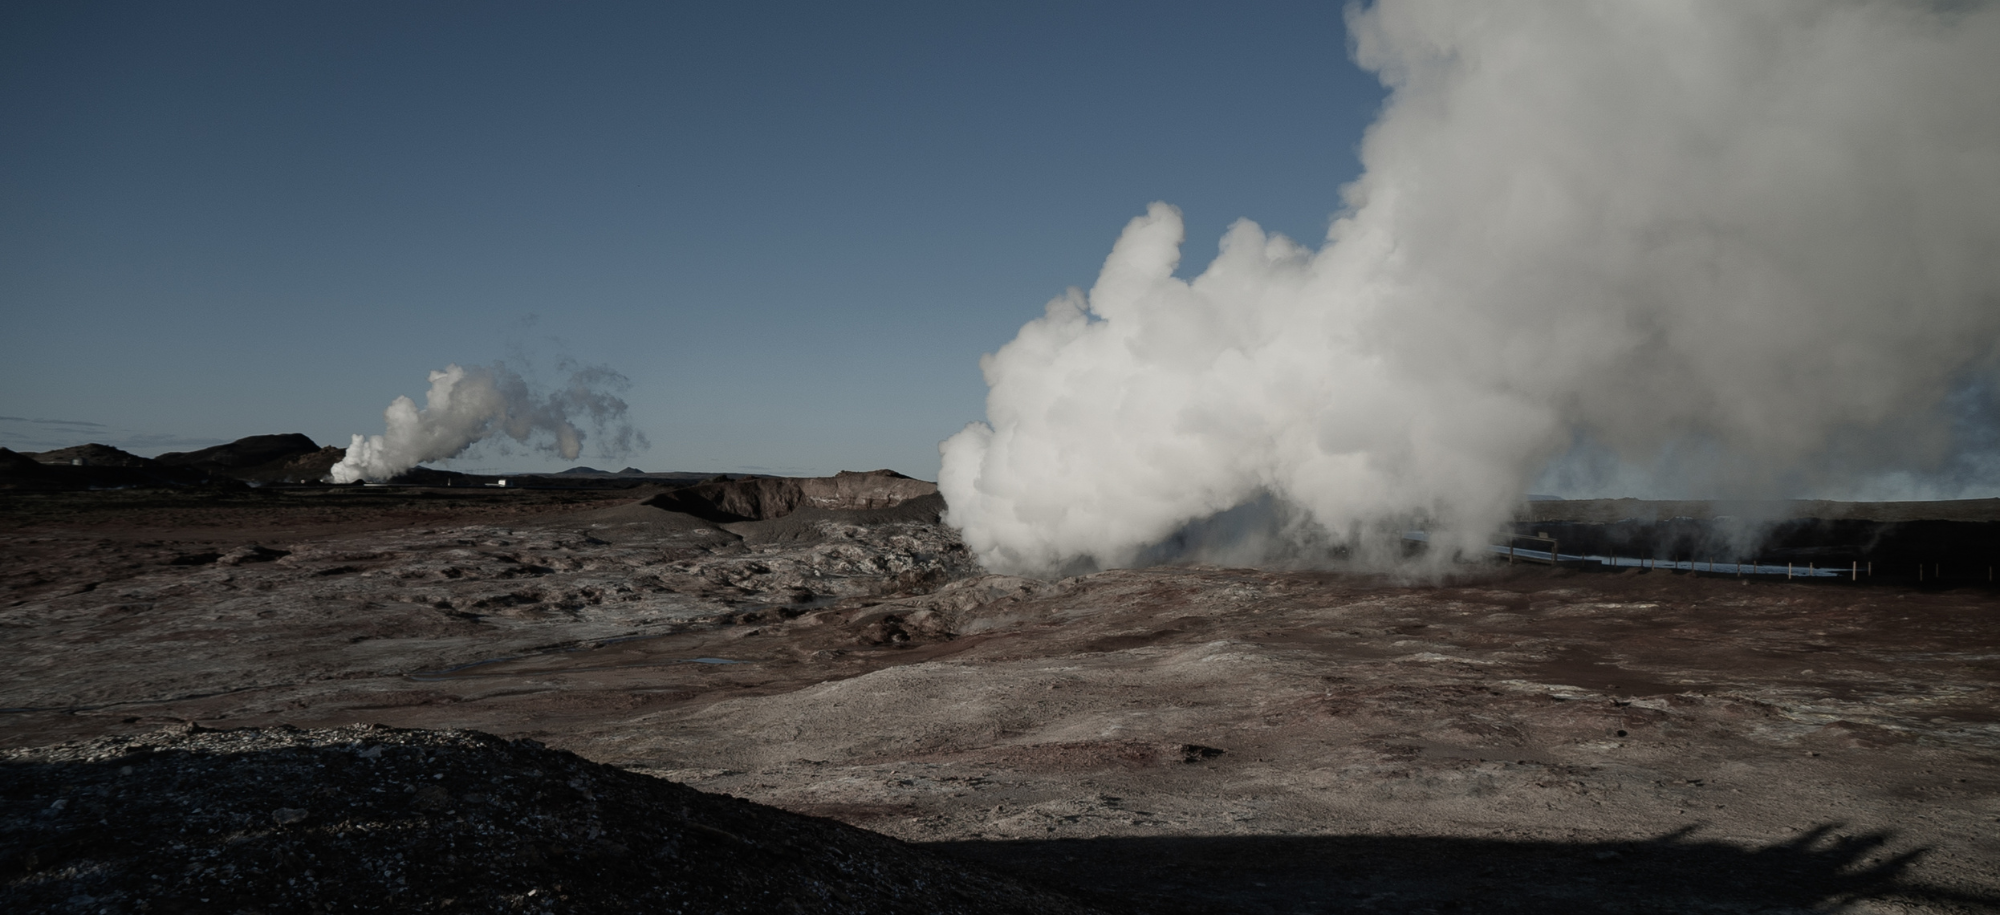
{"x": 282, "y": 459}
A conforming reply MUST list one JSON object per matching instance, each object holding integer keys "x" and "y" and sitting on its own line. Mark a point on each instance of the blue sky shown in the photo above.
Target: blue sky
{"x": 795, "y": 227}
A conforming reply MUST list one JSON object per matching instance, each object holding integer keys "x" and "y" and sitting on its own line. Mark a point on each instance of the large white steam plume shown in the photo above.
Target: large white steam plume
{"x": 468, "y": 405}
{"x": 1766, "y": 234}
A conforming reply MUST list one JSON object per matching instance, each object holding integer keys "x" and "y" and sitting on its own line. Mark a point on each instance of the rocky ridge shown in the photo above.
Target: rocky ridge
{"x": 428, "y": 598}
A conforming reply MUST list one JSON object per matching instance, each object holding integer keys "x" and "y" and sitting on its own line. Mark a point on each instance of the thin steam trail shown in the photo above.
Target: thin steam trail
{"x": 469, "y": 405}
{"x": 1763, "y": 234}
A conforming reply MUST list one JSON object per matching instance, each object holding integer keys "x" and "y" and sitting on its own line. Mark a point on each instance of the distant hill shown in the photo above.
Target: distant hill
{"x": 244, "y": 453}
{"x": 93, "y": 466}
{"x": 288, "y": 459}
{"x": 93, "y": 455}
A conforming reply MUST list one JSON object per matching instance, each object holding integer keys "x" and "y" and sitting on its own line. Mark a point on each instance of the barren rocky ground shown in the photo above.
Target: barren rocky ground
{"x": 1163, "y": 740}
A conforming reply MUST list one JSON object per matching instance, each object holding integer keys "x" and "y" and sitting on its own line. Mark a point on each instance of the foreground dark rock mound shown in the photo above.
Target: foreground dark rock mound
{"x": 381, "y": 819}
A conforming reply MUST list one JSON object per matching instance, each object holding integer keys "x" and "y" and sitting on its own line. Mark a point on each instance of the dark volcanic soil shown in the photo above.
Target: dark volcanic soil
{"x": 372, "y": 819}
{"x": 1171, "y": 740}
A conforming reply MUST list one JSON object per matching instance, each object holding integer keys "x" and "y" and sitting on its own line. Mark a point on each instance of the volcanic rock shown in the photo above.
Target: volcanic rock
{"x": 763, "y": 498}
{"x": 305, "y": 468}
{"x": 282, "y": 819}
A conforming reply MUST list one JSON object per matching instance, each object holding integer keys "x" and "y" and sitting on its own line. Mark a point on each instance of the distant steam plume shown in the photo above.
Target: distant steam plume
{"x": 1753, "y": 245}
{"x": 469, "y": 405}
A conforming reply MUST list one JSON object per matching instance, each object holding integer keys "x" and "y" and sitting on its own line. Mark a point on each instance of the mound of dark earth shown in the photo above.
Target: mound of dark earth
{"x": 372, "y": 818}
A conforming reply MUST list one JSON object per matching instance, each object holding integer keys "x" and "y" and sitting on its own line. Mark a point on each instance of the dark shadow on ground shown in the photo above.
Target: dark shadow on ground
{"x": 1823, "y": 869}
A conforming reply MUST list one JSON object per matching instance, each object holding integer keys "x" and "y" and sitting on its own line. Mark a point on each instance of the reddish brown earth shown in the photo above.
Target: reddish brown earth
{"x": 1171, "y": 739}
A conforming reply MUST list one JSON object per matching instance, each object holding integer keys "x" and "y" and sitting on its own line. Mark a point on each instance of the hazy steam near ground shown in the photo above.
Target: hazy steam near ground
{"x": 1746, "y": 248}
{"x": 469, "y": 405}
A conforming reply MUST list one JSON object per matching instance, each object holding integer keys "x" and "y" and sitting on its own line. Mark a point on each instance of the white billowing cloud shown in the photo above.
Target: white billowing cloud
{"x": 468, "y": 405}
{"x": 1763, "y": 233}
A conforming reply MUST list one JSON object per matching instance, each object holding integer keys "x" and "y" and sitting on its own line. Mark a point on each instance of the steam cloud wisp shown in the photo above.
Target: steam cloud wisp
{"x": 467, "y": 405}
{"x": 1764, "y": 237}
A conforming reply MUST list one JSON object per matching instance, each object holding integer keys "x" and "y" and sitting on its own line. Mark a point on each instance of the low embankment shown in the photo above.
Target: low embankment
{"x": 1943, "y": 542}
